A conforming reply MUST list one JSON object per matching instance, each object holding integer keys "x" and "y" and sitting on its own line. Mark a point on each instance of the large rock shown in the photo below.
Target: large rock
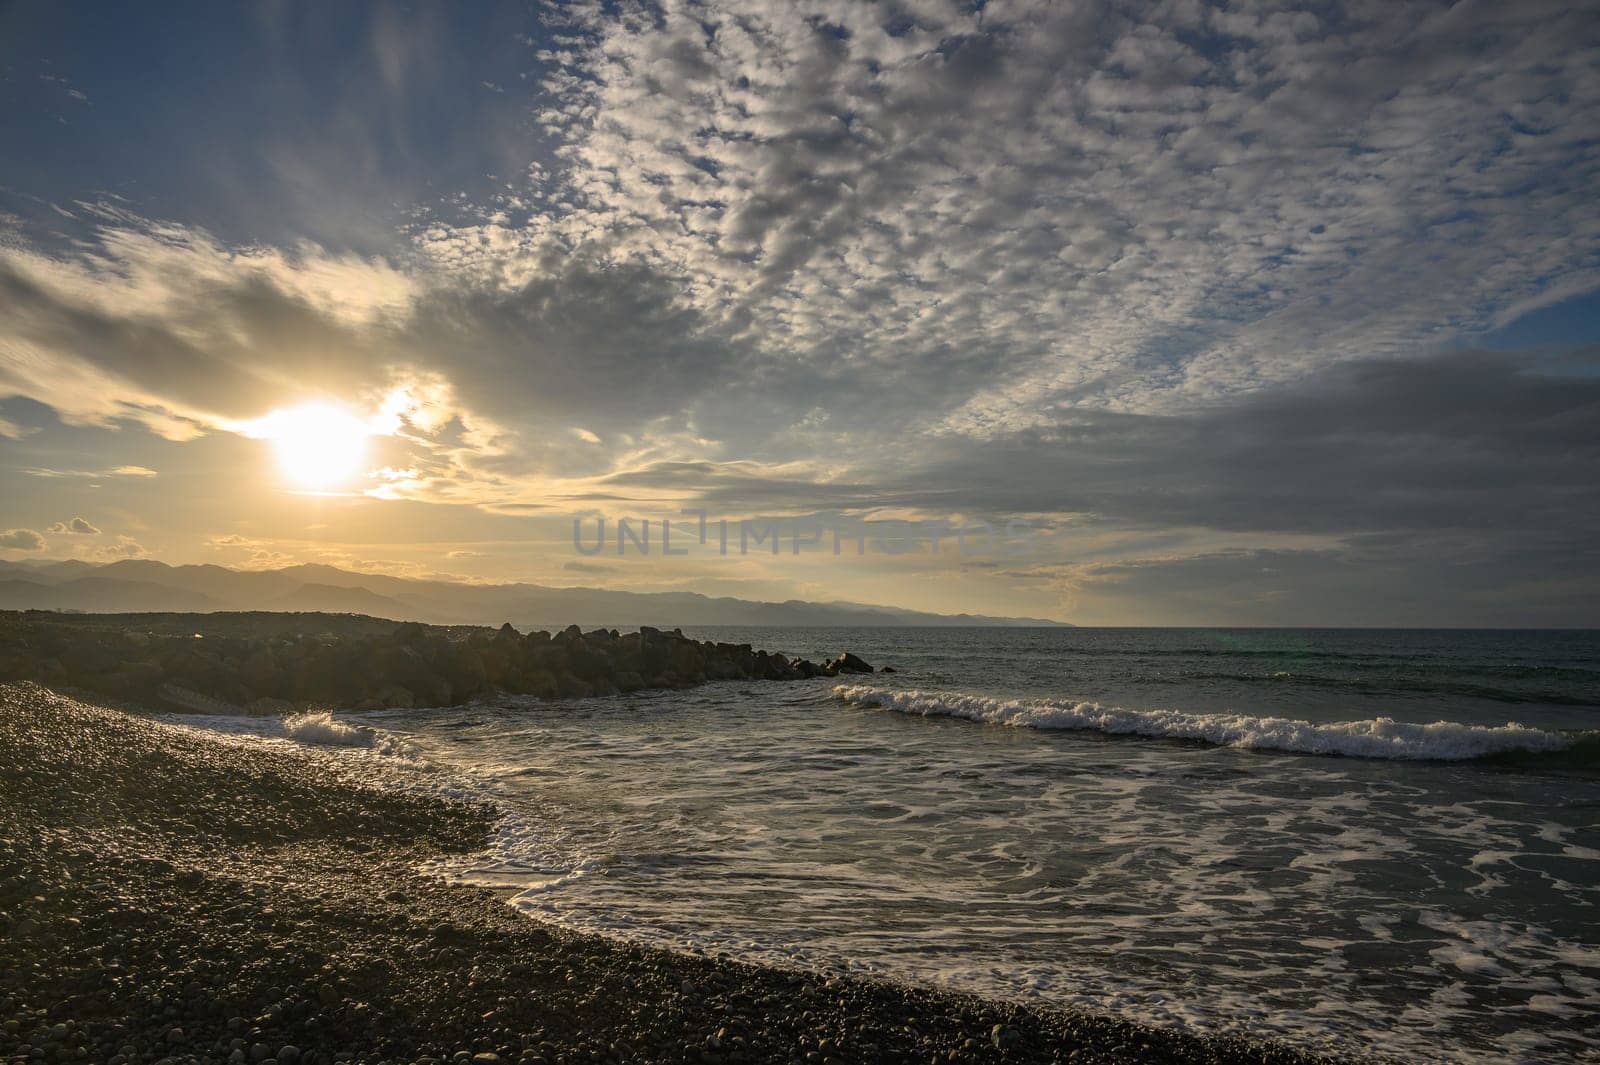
{"x": 849, "y": 663}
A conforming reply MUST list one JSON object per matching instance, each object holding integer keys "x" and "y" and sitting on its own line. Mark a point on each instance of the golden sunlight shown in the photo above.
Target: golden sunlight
{"x": 319, "y": 445}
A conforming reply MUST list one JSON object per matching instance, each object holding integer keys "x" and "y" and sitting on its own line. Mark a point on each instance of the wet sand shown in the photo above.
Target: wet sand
{"x": 169, "y": 896}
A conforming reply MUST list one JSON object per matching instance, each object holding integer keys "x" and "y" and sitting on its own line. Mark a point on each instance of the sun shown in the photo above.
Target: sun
{"x": 319, "y": 445}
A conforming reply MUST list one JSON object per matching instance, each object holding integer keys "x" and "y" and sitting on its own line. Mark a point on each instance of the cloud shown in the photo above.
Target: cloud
{"x": 10, "y": 430}
{"x": 1351, "y": 584}
{"x": 75, "y": 527}
{"x": 259, "y": 554}
{"x": 21, "y": 540}
{"x": 115, "y": 471}
{"x": 121, "y": 547}
{"x": 265, "y": 559}
{"x": 758, "y": 219}
{"x": 161, "y": 325}
{"x": 1456, "y": 478}
{"x": 1101, "y": 205}
{"x": 1473, "y": 441}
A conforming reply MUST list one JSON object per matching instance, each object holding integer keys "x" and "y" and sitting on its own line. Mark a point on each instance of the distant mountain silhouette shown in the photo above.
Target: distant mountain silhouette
{"x": 327, "y": 599}
{"x": 147, "y": 585}
{"x": 102, "y": 596}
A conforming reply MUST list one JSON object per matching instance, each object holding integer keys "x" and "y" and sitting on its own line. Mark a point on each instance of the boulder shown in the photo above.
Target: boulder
{"x": 849, "y": 663}
{"x": 410, "y": 634}
{"x": 393, "y": 695}
{"x": 571, "y": 687}
{"x": 541, "y": 684}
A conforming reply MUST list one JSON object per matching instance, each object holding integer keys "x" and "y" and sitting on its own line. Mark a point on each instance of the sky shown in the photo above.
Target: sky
{"x": 1180, "y": 313}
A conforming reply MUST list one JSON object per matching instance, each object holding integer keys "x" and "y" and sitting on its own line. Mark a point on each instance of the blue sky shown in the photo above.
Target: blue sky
{"x": 1272, "y": 313}
{"x": 267, "y": 122}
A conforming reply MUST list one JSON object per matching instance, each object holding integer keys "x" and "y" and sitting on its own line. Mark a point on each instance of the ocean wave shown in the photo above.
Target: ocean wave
{"x": 1381, "y": 737}
{"x": 1378, "y": 684}
{"x": 321, "y": 728}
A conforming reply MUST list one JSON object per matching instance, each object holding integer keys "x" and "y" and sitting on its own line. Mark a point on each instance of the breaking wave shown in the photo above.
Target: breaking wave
{"x": 320, "y": 727}
{"x": 1380, "y": 737}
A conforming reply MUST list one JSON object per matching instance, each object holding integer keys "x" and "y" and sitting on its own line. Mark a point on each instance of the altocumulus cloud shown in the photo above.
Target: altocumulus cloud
{"x": 932, "y": 219}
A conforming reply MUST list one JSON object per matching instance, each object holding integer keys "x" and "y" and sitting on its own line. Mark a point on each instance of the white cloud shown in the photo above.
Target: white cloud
{"x": 159, "y": 324}
{"x": 75, "y": 527}
{"x": 114, "y": 471}
{"x": 21, "y": 540}
{"x": 121, "y": 547}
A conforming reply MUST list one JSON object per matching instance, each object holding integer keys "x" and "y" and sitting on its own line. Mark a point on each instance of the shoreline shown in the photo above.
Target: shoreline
{"x": 173, "y": 896}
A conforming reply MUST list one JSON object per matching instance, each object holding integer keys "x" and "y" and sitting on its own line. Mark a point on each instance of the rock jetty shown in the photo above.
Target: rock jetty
{"x": 223, "y": 663}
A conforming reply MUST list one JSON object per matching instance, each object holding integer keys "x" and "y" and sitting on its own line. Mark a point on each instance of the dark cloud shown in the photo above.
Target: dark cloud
{"x": 1474, "y": 441}
{"x": 616, "y": 346}
{"x": 1459, "y": 483}
{"x": 1420, "y": 586}
{"x": 75, "y": 527}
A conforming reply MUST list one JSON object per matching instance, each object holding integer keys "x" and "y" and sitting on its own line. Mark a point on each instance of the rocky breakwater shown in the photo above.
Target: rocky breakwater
{"x": 337, "y": 665}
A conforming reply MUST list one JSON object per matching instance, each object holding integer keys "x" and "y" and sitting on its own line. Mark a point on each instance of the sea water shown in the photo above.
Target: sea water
{"x": 1375, "y": 842}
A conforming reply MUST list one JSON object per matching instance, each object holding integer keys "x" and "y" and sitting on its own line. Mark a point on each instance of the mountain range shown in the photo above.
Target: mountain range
{"x": 147, "y": 585}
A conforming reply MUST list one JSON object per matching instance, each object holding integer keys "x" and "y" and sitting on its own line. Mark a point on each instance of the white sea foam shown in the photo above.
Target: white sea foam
{"x": 320, "y": 727}
{"x": 341, "y": 740}
{"x": 1380, "y": 737}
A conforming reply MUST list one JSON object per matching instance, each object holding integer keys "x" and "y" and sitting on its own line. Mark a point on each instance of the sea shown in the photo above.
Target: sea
{"x": 1381, "y": 843}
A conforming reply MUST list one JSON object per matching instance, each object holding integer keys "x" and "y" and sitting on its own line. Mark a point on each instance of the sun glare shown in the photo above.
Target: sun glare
{"x": 319, "y": 445}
